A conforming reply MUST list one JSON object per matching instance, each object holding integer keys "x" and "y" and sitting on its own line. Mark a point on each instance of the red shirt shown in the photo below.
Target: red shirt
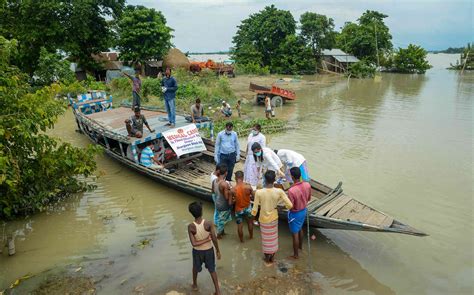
{"x": 242, "y": 198}
{"x": 299, "y": 194}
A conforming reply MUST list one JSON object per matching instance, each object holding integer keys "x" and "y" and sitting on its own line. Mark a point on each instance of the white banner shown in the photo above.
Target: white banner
{"x": 185, "y": 140}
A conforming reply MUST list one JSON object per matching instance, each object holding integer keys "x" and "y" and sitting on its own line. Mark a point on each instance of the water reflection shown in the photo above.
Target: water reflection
{"x": 345, "y": 272}
{"x": 403, "y": 85}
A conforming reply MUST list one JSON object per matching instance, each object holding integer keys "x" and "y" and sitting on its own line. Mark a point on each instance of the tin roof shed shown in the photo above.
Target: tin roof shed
{"x": 340, "y": 55}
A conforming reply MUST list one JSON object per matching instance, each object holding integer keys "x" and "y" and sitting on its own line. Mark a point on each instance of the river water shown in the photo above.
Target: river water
{"x": 402, "y": 145}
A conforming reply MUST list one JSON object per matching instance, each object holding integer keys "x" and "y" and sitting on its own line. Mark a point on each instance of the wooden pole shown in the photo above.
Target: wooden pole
{"x": 465, "y": 61}
{"x": 376, "y": 46}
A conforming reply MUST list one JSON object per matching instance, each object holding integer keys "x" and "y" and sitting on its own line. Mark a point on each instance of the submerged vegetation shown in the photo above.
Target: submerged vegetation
{"x": 410, "y": 60}
{"x": 361, "y": 69}
{"x": 466, "y": 60}
{"x": 243, "y": 127}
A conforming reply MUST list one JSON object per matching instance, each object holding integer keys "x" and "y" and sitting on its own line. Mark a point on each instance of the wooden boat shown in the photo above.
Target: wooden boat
{"x": 329, "y": 208}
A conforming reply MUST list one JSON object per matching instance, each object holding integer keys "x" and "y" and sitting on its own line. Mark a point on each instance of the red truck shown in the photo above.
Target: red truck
{"x": 277, "y": 95}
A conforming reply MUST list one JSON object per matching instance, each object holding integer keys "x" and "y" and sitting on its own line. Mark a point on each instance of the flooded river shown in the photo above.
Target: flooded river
{"x": 402, "y": 144}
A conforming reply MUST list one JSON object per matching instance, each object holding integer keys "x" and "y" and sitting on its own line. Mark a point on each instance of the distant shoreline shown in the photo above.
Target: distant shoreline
{"x": 204, "y": 53}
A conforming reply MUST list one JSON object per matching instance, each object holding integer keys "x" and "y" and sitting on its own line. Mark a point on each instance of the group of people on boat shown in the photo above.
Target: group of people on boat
{"x": 263, "y": 169}
{"x": 169, "y": 86}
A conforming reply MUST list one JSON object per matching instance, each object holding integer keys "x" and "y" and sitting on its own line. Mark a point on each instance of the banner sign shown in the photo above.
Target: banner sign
{"x": 185, "y": 140}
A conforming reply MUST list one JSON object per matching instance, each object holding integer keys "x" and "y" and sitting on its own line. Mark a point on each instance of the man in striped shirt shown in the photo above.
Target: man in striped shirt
{"x": 148, "y": 158}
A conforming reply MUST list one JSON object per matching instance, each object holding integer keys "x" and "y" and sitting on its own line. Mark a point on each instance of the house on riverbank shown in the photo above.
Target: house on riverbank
{"x": 336, "y": 60}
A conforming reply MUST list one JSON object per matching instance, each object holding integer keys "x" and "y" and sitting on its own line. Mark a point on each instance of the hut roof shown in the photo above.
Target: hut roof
{"x": 340, "y": 55}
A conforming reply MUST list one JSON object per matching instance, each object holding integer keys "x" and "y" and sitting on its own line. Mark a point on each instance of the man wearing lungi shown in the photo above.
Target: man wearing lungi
{"x": 299, "y": 195}
{"x": 268, "y": 198}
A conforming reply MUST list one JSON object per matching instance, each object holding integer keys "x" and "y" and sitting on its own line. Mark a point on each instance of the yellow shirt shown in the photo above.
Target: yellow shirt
{"x": 268, "y": 199}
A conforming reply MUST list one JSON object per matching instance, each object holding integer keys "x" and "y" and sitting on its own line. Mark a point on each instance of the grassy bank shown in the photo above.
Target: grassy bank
{"x": 211, "y": 89}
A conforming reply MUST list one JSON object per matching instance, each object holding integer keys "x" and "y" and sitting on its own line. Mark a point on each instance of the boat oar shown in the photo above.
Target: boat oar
{"x": 309, "y": 241}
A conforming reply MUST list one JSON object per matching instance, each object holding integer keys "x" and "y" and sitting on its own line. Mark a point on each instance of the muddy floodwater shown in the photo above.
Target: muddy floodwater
{"x": 403, "y": 144}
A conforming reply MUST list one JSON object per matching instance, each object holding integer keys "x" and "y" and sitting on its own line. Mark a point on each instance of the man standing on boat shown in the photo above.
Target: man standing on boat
{"x": 134, "y": 125}
{"x": 169, "y": 87}
{"x": 227, "y": 149}
{"x": 299, "y": 195}
{"x": 136, "y": 88}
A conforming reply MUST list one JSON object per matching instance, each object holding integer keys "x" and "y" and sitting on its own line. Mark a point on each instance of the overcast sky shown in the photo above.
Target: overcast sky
{"x": 209, "y": 25}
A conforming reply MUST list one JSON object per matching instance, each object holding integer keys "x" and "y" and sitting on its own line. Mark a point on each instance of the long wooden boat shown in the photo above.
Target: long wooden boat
{"x": 329, "y": 208}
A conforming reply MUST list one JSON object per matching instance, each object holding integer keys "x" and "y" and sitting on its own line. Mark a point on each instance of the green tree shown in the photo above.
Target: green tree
{"x": 365, "y": 38}
{"x": 52, "y": 68}
{"x": 411, "y": 60}
{"x": 261, "y": 35}
{"x": 35, "y": 169}
{"x": 294, "y": 57}
{"x": 317, "y": 31}
{"x": 77, "y": 27}
{"x": 143, "y": 34}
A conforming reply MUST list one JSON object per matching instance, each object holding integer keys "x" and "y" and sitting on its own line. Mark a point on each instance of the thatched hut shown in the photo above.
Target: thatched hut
{"x": 175, "y": 59}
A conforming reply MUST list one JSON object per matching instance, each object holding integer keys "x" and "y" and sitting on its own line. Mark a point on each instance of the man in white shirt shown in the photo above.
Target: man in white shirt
{"x": 226, "y": 110}
{"x": 293, "y": 159}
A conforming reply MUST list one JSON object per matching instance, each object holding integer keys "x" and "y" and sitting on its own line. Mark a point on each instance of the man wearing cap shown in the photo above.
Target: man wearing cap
{"x": 135, "y": 123}
{"x": 227, "y": 149}
{"x": 225, "y": 109}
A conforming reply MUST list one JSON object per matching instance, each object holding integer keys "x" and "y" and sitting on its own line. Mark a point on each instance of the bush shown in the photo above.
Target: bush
{"x": 361, "y": 69}
{"x": 91, "y": 84}
{"x": 35, "y": 169}
{"x": 411, "y": 60}
{"x": 251, "y": 69}
{"x": 151, "y": 86}
{"x": 72, "y": 89}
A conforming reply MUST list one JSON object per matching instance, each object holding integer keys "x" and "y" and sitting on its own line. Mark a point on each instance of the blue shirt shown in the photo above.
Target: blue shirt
{"x": 226, "y": 144}
{"x": 171, "y": 87}
{"x": 146, "y": 158}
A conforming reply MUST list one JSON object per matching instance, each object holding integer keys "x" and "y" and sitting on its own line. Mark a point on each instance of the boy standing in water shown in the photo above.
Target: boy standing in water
{"x": 243, "y": 193}
{"x": 202, "y": 236}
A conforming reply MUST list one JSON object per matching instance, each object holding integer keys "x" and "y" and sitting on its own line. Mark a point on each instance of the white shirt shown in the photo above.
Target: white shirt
{"x": 290, "y": 158}
{"x": 260, "y": 138}
{"x": 270, "y": 160}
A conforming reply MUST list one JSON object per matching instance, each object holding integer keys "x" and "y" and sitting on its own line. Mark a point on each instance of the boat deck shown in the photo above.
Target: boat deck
{"x": 114, "y": 120}
{"x": 348, "y": 209}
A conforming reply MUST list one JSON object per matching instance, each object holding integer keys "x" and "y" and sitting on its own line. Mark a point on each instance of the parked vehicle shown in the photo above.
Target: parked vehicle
{"x": 277, "y": 94}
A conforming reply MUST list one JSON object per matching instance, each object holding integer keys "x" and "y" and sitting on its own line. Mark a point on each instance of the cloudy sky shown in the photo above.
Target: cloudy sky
{"x": 209, "y": 25}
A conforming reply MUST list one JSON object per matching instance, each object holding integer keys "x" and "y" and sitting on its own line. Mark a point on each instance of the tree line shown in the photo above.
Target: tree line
{"x": 79, "y": 29}
{"x": 272, "y": 40}
{"x": 36, "y": 37}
